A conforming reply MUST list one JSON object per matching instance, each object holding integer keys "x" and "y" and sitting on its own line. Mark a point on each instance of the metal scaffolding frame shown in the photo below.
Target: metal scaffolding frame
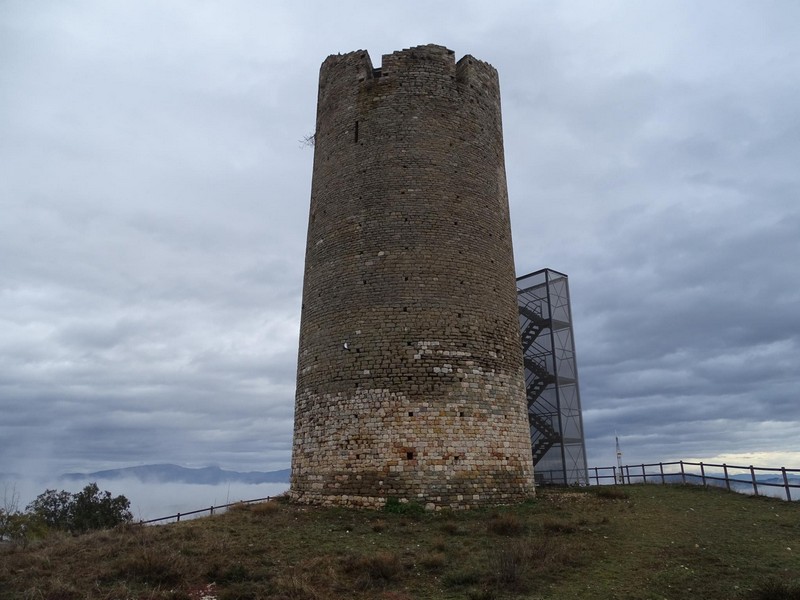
{"x": 551, "y": 378}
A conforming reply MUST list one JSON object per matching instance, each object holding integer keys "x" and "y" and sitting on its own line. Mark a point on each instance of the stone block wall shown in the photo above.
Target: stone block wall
{"x": 410, "y": 377}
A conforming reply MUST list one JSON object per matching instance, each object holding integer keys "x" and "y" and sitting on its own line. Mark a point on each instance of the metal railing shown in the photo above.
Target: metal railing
{"x": 698, "y": 473}
{"x": 746, "y": 479}
{"x": 210, "y": 510}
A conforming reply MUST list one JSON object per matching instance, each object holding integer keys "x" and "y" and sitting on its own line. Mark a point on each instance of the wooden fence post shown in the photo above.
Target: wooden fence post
{"x": 786, "y": 484}
{"x": 178, "y": 518}
{"x": 703, "y": 473}
{"x": 661, "y": 468}
{"x": 753, "y": 479}
{"x": 727, "y": 481}
{"x": 683, "y": 474}
{"x": 644, "y": 475}
{"x": 211, "y": 511}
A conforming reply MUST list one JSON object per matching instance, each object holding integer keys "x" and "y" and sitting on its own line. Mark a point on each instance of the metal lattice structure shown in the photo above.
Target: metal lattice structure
{"x": 551, "y": 378}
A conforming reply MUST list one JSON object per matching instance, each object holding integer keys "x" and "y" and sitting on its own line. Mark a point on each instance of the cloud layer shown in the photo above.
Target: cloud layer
{"x": 154, "y": 192}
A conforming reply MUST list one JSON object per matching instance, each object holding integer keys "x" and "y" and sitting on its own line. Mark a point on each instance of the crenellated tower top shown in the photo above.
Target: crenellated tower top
{"x": 429, "y": 62}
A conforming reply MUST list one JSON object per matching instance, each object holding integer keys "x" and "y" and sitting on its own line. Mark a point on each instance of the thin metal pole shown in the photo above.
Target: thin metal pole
{"x": 557, "y": 382}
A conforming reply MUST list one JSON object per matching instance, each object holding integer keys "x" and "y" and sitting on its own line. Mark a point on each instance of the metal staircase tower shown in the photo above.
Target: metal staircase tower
{"x": 551, "y": 378}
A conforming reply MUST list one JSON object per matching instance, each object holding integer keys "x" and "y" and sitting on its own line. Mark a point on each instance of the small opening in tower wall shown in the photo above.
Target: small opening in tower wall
{"x": 410, "y": 413}
{"x": 410, "y": 455}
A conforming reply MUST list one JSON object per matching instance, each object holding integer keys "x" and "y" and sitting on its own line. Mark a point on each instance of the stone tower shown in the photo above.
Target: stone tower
{"x": 410, "y": 378}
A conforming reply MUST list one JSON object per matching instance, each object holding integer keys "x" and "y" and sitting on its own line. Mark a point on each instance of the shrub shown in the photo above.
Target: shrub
{"x": 374, "y": 570}
{"x": 451, "y": 528}
{"x": 775, "y": 589}
{"x": 93, "y": 509}
{"x": 439, "y": 544}
{"x": 506, "y": 524}
{"x": 511, "y": 564}
{"x": 151, "y": 566}
{"x": 611, "y": 493}
{"x": 379, "y": 526}
{"x": 483, "y": 594}
{"x": 296, "y": 586}
{"x": 84, "y": 511}
{"x": 237, "y": 572}
{"x": 434, "y": 561}
{"x": 462, "y": 578}
{"x": 266, "y": 508}
{"x": 391, "y": 595}
{"x": 20, "y": 528}
{"x": 239, "y": 507}
{"x": 558, "y": 526}
{"x": 53, "y": 508}
{"x": 395, "y": 506}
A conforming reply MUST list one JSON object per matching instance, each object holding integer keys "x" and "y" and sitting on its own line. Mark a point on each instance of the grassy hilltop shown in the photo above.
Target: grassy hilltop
{"x": 636, "y": 542}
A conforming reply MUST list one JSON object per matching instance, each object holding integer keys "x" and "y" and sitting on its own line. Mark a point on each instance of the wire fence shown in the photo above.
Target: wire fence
{"x": 210, "y": 510}
{"x": 759, "y": 481}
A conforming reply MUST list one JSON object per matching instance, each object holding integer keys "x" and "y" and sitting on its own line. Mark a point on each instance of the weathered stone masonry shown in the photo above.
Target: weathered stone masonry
{"x": 410, "y": 378}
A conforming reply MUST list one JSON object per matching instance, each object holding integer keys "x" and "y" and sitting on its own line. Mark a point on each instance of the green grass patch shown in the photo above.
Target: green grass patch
{"x": 625, "y": 542}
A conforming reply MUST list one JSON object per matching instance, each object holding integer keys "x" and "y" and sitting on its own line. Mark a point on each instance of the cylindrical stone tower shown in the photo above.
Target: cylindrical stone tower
{"x": 410, "y": 378}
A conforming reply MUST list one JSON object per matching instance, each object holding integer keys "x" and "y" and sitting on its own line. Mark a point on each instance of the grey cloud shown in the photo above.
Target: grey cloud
{"x": 154, "y": 197}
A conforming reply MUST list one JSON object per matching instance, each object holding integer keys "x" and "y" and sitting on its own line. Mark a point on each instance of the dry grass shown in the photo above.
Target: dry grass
{"x": 611, "y": 492}
{"x": 373, "y": 570}
{"x": 506, "y": 524}
{"x": 635, "y": 542}
{"x": 266, "y": 508}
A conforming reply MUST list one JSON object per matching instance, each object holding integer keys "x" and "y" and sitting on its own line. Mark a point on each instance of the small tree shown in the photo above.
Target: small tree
{"x": 16, "y": 526}
{"x": 86, "y": 510}
{"x": 53, "y": 508}
{"x": 93, "y": 509}
{"x": 9, "y": 508}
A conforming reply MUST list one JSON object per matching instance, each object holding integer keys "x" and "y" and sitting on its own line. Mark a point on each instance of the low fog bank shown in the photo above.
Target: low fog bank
{"x": 148, "y": 500}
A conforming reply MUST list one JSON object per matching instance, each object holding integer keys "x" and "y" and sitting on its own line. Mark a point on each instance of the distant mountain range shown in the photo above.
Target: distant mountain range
{"x": 167, "y": 473}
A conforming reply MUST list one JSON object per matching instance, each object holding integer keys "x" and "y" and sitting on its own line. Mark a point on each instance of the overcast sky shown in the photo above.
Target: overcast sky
{"x": 154, "y": 195}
